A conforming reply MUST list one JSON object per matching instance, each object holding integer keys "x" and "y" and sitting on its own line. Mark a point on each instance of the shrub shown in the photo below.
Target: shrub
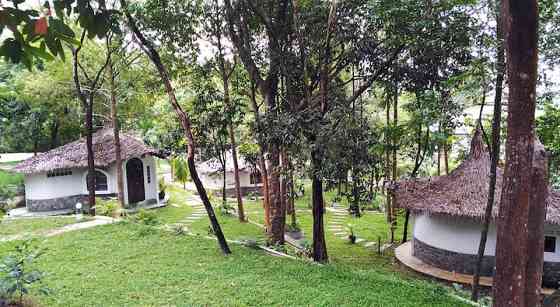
{"x": 146, "y": 217}
{"x": 109, "y": 208}
{"x": 162, "y": 187}
{"x": 17, "y": 275}
{"x": 178, "y": 230}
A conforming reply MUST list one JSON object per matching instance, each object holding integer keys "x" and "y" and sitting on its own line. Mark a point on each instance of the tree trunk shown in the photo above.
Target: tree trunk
{"x": 116, "y": 133}
{"x": 494, "y": 155}
{"x": 224, "y": 188}
{"x": 266, "y": 192}
{"x": 388, "y": 163}
{"x": 240, "y": 211}
{"x": 277, "y": 210}
{"x": 446, "y": 157}
{"x": 90, "y": 157}
{"x": 395, "y": 175}
{"x": 319, "y": 243}
{"x": 512, "y": 248}
{"x": 152, "y": 53}
{"x": 54, "y": 133}
{"x": 227, "y": 103}
{"x": 537, "y": 216}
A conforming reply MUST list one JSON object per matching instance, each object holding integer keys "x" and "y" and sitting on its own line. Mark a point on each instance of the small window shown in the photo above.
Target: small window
{"x": 59, "y": 173}
{"x": 550, "y": 244}
{"x": 255, "y": 177}
{"x": 100, "y": 182}
{"x": 149, "y": 174}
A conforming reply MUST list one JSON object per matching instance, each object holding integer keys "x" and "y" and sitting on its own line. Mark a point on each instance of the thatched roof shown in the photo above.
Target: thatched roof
{"x": 464, "y": 192}
{"x": 74, "y": 155}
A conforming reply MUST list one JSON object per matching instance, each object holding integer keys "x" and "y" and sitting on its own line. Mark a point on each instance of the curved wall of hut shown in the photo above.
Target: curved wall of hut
{"x": 451, "y": 243}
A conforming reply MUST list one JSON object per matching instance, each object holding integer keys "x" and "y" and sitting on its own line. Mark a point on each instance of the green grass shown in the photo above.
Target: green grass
{"x": 123, "y": 265}
{"x": 8, "y": 178}
{"x": 127, "y": 264}
{"x": 26, "y": 226}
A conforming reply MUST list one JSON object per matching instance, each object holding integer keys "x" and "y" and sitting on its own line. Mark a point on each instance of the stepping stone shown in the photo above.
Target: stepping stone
{"x": 358, "y": 240}
{"x": 340, "y": 233}
{"x": 370, "y": 244}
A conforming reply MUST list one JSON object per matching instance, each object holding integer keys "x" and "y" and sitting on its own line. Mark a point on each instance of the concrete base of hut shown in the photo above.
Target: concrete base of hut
{"x": 405, "y": 255}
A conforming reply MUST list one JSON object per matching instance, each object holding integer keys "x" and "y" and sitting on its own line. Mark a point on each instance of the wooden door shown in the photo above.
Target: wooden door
{"x": 135, "y": 180}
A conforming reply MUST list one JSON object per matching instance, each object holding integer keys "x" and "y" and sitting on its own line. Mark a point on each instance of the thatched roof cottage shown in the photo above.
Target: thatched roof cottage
{"x": 212, "y": 175}
{"x": 447, "y": 213}
{"x": 56, "y": 180}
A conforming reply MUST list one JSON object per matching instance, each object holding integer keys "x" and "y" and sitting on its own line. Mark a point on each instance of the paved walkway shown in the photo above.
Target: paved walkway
{"x": 98, "y": 221}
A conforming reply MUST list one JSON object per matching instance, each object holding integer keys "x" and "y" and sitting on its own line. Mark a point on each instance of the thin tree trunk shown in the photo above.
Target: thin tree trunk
{"x": 494, "y": 156}
{"x": 90, "y": 157}
{"x": 152, "y": 53}
{"x": 446, "y": 157}
{"x": 240, "y": 210}
{"x": 512, "y": 248}
{"x": 388, "y": 163}
{"x": 54, "y": 133}
{"x": 537, "y": 216}
{"x": 395, "y": 175}
{"x": 319, "y": 243}
{"x": 116, "y": 132}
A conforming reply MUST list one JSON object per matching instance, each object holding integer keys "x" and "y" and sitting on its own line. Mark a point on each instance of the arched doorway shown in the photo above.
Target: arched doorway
{"x": 135, "y": 180}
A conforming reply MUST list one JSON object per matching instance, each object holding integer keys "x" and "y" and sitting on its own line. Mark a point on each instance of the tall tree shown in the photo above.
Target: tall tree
{"x": 87, "y": 97}
{"x": 494, "y": 150}
{"x": 512, "y": 248}
{"x": 274, "y": 16}
{"x": 154, "y": 56}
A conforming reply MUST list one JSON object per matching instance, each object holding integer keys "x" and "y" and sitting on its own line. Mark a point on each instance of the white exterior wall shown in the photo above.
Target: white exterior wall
{"x": 462, "y": 235}
{"x": 39, "y": 186}
{"x": 215, "y": 181}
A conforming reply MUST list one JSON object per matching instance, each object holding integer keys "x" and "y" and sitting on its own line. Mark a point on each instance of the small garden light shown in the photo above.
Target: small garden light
{"x": 79, "y": 214}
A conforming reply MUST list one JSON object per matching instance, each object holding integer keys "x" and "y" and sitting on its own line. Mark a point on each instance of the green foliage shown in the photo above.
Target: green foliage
{"x": 35, "y": 35}
{"x": 18, "y": 276}
{"x": 109, "y": 207}
{"x": 146, "y": 217}
{"x": 181, "y": 169}
{"x": 548, "y": 126}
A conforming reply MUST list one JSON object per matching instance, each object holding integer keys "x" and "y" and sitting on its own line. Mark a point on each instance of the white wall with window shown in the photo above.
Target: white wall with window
{"x": 462, "y": 235}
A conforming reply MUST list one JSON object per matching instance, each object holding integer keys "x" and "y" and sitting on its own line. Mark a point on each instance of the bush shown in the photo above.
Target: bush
{"x": 17, "y": 276}
{"x": 146, "y": 217}
{"x": 162, "y": 187}
{"x": 109, "y": 208}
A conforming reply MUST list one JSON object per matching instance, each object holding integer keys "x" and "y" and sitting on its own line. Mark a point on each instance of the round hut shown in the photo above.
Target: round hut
{"x": 447, "y": 214}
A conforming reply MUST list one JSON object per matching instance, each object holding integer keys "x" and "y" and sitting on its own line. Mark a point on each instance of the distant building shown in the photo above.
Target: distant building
{"x": 56, "y": 180}
{"x": 211, "y": 175}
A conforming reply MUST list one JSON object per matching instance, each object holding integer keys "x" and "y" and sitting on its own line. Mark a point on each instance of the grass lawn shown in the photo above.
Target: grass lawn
{"x": 128, "y": 264}
{"x": 25, "y": 226}
{"x": 124, "y": 265}
{"x": 7, "y": 178}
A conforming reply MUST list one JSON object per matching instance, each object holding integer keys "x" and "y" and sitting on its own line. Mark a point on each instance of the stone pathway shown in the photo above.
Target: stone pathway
{"x": 98, "y": 221}
{"x": 198, "y": 213}
{"x": 340, "y": 230}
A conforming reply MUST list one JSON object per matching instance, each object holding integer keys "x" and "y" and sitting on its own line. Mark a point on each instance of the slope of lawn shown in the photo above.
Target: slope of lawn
{"x": 128, "y": 264}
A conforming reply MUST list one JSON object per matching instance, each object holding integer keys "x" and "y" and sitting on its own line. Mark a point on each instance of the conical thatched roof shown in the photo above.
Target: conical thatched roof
{"x": 74, "y": 155}
{"x": 464, "y": 192}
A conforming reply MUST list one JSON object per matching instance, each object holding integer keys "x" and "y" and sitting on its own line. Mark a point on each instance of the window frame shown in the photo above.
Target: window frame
{"x": 553, "y": 240}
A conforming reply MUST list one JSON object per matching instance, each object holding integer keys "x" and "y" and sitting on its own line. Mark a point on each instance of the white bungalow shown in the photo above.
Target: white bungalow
{"x": 447, "y": 213}
{"x": 212, "y": 176}
{"x": 56, "y": 180}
